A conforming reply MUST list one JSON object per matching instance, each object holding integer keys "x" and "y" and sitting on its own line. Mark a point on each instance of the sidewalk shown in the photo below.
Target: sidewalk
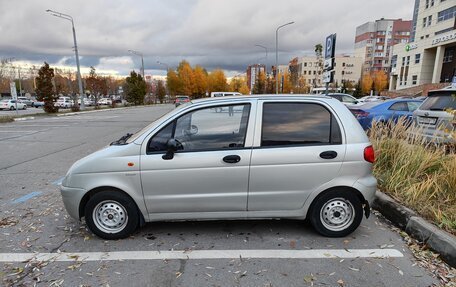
{"x": 417, "y": 227}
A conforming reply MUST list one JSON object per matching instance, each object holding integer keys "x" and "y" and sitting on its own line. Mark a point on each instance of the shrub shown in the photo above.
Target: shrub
{"x": 417, "y": 173}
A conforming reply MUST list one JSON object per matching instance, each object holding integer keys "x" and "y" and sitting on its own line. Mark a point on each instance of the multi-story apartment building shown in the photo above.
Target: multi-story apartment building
{"x": 347, "y": 69}
{"x": 431, "y": 55}
{"x": 252, "y": 74}
{"x": 373, "y": 42}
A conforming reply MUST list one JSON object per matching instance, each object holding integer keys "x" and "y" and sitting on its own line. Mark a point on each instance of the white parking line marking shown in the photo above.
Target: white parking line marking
{"x": 17, "y": 131}
{"x": 202, "y": 254}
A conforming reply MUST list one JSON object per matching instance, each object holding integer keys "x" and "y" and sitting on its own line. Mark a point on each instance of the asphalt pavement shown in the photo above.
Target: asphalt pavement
{"x": 60, "y": 251}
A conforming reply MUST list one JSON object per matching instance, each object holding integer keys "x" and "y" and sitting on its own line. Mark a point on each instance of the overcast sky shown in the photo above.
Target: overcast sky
{"x": 211, "y": 33}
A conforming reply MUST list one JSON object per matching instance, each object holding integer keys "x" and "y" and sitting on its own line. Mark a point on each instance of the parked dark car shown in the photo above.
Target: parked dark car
{"x": 385, "y": 111}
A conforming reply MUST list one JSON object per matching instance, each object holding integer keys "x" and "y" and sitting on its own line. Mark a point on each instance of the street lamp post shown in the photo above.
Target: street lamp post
{"x": 277, "y": 55}
{"x": 142, "y": 60}
{"x": 163, "y": 64}
{"x": 266, "y": 51}
{"x": 69, "y": 18}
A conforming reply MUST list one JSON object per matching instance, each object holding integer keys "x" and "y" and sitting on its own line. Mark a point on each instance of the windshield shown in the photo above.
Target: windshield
{"x": 439, "y": 102}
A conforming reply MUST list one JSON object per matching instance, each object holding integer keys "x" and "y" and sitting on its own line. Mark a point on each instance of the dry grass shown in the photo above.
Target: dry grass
{"x": 6, "y": 119}
{"x": 418, "y": 174}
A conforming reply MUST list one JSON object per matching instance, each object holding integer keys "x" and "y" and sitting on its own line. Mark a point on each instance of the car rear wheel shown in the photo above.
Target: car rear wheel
{"x": 111, "y": 214}
{"x": 336, "y": 213}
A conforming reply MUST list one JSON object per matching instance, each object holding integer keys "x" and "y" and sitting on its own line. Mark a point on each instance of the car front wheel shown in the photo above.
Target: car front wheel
{"x": 111, "y": 214}
{"x": 336, "y": 213}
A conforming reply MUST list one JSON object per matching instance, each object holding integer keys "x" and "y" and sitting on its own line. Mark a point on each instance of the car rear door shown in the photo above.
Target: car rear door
{"x": 298, "y": 148}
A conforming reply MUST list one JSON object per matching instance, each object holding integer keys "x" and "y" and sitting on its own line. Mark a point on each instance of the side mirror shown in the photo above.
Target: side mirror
{"x": 172, "y": 145}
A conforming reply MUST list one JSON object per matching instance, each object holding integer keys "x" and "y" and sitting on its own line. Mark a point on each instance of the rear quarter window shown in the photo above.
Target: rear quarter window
{"x": 298, "y": 124}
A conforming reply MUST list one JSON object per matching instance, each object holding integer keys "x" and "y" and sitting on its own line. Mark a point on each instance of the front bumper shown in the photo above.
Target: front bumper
{"x": 71, "y": 199}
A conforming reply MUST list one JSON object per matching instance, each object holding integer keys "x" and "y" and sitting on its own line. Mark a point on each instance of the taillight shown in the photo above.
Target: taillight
{"x": 360, "y": 113}
{"x": 369, "y": 154}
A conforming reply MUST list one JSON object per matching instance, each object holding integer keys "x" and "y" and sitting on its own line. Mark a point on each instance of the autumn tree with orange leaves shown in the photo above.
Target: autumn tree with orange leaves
{"x": 380, "y": 81}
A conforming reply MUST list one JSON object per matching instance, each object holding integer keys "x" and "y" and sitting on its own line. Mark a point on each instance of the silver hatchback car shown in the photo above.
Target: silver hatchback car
{"x": 284, "y": 156}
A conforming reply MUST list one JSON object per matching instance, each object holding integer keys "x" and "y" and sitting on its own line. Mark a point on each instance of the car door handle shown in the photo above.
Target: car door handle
{"x": 232, "y": 159}
{"x": 330, "y": 154}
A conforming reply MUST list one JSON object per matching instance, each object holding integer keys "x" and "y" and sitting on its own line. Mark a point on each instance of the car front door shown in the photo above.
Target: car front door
{"x": 298, "y": 151}
{"x": 209, "y": 173}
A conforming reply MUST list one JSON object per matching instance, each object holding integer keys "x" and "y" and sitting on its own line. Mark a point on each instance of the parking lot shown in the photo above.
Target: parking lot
{"x": 40, "y": 243}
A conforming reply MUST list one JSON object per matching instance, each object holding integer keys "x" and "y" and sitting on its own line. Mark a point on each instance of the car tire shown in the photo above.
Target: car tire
{"x": 336, "y": 213}
{"x": 11, "y": 108}
{"x": 110, "y": 214}
{"x": 25, "y": 107}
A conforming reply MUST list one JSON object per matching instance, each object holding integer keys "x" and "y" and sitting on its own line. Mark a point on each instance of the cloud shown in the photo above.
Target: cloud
{"x": 214, "y": 34}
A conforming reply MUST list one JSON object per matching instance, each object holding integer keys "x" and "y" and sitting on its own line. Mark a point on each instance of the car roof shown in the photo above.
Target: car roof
{"x": 261, "y": 97}
{"x": 371, "y": 105}
{"x": 446, "y": 89}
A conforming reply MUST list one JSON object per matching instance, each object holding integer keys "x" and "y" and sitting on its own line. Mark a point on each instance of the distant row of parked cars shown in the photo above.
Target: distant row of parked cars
{"x": 432, "y": 114}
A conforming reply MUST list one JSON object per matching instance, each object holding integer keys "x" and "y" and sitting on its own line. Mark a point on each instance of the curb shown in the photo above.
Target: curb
{"x": 417, "y": 227}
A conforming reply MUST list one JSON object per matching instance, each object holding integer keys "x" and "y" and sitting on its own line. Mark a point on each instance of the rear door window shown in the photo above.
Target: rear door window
{"x": 298, "y": 124}
{"x": 401, "y": 106}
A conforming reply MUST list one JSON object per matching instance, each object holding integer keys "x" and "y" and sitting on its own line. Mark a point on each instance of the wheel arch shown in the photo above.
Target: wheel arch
{"x": 339, "y": 188}
{"x": 92, "y": 192}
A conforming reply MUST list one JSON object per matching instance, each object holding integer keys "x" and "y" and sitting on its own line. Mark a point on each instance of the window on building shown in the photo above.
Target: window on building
{"x": 427, "y": 4}
{"x": 414, "y": 79}
{"x": 394, "y": 61}
{"x": 444, "y": 31}
{"x": 417, "y": 58}
{"x": 424, "y": 22}
{"x": 448, "y": 56}
{"x": 446, "y": 14}
{"x": 403, "y": 61}
{"x": 305, "y": 64}
{"x": 408, "y": 61}
{"x": 432, "y": 3}
{"x": 427, "y": 36}
{"x": 310, "y": 64}
{"x": 429, "y": 20}
{"x": 343, "y": 64}
{"x": 379, "y": 47}
{"x": 404, "y": 40}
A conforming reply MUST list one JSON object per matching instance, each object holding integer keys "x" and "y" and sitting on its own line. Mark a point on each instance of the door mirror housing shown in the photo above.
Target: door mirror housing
{"x": 172, "y": 145}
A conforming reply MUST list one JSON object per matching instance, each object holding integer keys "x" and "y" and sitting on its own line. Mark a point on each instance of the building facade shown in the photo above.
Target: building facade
{"x": 252, "y": 74}
{"x": 374, "y": 41}
{"x": 431, "y": 57}
{"x": 346, "y": 69}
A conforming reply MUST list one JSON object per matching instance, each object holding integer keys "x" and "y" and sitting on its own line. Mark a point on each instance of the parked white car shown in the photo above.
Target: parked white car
{"x": 346, "y": 99}
{"x": 64, "y": 102}
{"x": 105, "y": 101}
{"x": 274, "y": 156}
{"x": 11, "y": 105}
